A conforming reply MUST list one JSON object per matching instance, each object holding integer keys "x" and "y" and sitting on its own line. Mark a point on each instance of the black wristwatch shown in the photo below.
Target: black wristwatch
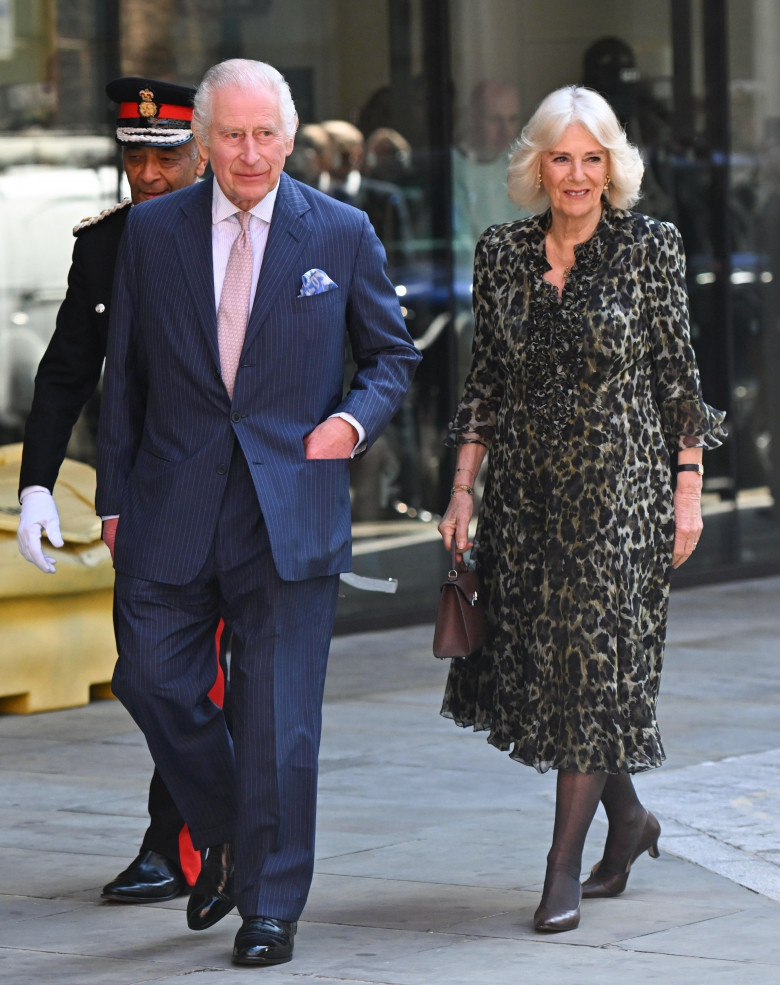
{"x": 691, "y": 467}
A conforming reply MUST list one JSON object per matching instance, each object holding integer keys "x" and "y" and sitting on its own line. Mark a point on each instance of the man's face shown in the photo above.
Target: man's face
{"x": 154, "y": 171}
{"x": 497, "y": 123}
{"x": 246, "y": 144}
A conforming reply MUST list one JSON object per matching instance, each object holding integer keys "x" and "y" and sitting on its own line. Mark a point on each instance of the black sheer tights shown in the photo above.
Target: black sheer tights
{"x": 577, "y": 797}
{"x": 626, "y": 818}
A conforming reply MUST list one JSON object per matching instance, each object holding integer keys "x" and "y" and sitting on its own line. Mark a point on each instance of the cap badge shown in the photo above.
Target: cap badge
{"x": 146, "y": 105}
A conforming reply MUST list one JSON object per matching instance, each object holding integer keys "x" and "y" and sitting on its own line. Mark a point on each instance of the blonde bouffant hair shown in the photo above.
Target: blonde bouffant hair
{"x": 556, "y": 112}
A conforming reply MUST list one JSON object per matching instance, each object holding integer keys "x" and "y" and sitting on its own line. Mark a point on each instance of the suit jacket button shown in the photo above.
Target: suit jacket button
{"x": 100, "y": 308}
{"x": 221, "y": 469}
{"x": 235, "y": 417}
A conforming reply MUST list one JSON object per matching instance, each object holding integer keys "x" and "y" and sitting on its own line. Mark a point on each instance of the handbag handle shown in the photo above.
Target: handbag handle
{"x": 455, "y": 565}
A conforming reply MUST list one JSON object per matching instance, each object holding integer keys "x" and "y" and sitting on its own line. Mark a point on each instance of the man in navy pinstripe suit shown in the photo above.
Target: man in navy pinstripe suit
{"x": 238, "y": 507}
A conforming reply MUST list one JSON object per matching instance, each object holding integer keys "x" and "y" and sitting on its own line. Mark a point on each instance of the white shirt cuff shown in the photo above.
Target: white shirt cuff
{"x": 361, "y": 441}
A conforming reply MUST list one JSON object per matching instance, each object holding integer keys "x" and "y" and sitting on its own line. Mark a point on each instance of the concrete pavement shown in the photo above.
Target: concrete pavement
{"x": 431, "y": 844}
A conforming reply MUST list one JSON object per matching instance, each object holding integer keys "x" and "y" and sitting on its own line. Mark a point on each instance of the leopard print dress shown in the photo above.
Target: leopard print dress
{"x": 579, "y": 398}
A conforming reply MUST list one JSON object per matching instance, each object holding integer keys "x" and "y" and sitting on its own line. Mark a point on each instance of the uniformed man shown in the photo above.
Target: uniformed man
{"x": 159, "y": 155}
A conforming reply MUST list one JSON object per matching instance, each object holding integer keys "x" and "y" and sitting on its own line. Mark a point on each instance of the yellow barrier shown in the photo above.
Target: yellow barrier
{"x": 56, "y": 635}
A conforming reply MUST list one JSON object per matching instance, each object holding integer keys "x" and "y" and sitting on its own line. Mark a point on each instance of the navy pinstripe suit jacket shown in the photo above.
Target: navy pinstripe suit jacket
{"x": 167, "y": 426}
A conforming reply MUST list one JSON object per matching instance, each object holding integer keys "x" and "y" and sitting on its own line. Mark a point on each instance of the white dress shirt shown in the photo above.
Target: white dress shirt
{"x": 224, "y": 229}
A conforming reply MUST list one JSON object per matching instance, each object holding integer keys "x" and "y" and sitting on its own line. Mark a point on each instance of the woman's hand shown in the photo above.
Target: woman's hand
{"x": 456, "y": 519}
{"x": 687, "y": 517}
{"x": 455, "y": 522}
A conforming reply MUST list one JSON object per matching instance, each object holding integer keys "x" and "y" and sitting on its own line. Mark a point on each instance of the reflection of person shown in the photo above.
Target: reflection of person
{"x": 479, "y": 163}
{"x": 389, "y": 159}
{"x": 383, "y": 202}
{"x": 374, "y": 475}
{"x": 158, "y": 156}
{"x": 583, "y": 376}
{"x": 231, "y": 486}
{"x": 310, "y": 158}
{"x": 388, "y": 156}
{"x": 609, "y": 66}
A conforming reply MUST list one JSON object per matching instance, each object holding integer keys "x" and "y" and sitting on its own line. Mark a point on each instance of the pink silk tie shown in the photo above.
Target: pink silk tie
{"x": 233, "y": 311}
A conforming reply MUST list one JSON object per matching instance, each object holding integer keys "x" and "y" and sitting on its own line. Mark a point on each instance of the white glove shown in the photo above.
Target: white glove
{"x": 39, "y": 514}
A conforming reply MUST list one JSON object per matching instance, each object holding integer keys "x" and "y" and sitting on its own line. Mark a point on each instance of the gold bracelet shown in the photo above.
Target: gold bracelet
{"x": 461, "y": 487}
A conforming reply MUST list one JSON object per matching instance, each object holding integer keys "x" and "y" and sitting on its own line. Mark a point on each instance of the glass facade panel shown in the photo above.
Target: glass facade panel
{"x": 419, "y": 100}
{"x": 753, "y": 226}
{"x": 57, "y": 165}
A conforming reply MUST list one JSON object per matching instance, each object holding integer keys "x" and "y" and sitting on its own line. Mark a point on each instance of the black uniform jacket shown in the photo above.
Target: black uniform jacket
{"x": 70, "y": 368}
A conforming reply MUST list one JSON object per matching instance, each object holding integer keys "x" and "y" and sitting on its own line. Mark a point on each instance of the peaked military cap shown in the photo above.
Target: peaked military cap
{"x": 151, "y": 113}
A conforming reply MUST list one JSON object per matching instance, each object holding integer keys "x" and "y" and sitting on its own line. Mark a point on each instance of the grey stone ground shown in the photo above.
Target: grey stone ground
{"x": 431, "y": 844}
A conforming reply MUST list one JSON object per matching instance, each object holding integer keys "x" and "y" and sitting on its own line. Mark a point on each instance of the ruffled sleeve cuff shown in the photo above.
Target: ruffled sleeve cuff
{"x": 693, "y": 424}
{"x": 471, "y": 424}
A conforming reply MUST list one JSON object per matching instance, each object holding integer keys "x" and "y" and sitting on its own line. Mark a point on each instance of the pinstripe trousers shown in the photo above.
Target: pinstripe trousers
{"x": 259, "y": 788}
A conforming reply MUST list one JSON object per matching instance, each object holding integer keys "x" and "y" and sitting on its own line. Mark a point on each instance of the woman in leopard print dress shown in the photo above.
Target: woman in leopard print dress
{"x": 583, "y": 379}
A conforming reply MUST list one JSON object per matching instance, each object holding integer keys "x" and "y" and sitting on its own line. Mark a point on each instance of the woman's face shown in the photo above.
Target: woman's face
{"x": 574, "y": 173}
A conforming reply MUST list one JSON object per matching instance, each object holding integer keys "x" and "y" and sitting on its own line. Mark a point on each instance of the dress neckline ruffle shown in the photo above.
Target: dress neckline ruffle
{"x": 588, "y": 255}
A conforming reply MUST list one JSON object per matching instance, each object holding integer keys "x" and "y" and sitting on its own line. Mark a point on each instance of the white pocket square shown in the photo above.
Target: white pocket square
{"x": 315, "y": 281}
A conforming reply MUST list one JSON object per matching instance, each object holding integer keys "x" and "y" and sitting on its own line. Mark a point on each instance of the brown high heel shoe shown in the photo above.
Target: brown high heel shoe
{"x": 613, "y": 884}
{"x": 547, "y": 918}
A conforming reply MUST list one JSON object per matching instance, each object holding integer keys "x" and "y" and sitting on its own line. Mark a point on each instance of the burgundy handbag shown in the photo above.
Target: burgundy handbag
{"x": 460, "y": 622}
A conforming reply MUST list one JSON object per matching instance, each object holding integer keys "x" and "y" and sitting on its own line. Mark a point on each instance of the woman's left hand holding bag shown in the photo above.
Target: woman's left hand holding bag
{"x": 456, "y": 520}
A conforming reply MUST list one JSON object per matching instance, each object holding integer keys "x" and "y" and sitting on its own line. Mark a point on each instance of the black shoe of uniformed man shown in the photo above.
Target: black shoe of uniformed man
{"x": 150, "y": 878}
{"x": 264, "y": 940}
{"x": 212, "y": 895}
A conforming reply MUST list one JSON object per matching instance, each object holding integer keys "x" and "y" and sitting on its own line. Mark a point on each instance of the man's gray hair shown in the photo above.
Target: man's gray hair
{"x": 245, "y": 74}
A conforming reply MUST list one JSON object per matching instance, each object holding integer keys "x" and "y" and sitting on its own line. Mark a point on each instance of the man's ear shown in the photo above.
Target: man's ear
{"x": 291, "y": 141}
{"x": 203, "y": 160}
{"x": 203, "y": 157}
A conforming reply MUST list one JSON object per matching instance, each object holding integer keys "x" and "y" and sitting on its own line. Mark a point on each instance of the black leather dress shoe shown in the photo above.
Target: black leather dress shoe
{"x": 212, "y": 895}
{"x": 264, "y": 940}
{"x": 150, "y": 878}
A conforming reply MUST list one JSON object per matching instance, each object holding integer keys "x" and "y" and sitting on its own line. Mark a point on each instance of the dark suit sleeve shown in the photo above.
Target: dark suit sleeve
{"x": 124, "y": 390}
{"x": 385, "y": 355}
{"x": 69, "y": 371}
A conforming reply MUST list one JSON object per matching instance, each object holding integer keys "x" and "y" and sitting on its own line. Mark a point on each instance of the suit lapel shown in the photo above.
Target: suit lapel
{"x": 193, "y": 241}
{"x": 286, "y": 238}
